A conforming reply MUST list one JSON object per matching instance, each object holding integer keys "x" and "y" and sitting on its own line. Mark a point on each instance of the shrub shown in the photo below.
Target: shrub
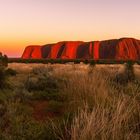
{"x": 2, "y": 77}
{"x": 3, "y": 65}
{"x": 86, "y": 61}
{"x": 130, "y": 71}
{"x": 11, "y": 72}
{"x": 127, "y": 76}
{"x": 3, "y": 60}
{"x": 48, "y": 84}
{"x": 41, "y": 79}
{"x": 92, "y": 63}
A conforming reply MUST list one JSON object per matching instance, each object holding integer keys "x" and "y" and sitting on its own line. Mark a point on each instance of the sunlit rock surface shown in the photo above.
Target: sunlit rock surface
{"x": 117, "y": 49}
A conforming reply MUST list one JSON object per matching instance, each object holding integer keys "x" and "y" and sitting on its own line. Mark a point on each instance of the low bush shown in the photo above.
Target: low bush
{"x": 44, "y": 86}
{"x": 3, "y": 65}
{"x": 47, "y": 84}
{"x": 127, "y": 76}
{"x": 3, "y": 60}
{"x": 10, "y": 72}
{"x": 2, "y": 77}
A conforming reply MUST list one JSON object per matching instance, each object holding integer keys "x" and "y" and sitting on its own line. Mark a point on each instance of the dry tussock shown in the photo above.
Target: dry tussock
{"x": 104, "y": 111}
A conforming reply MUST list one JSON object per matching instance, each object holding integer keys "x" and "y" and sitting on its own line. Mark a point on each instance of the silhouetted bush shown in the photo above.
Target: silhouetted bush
{"x": 3, "y": 60}
{"x": 92, "y": 63}
{"x": 76, "y": 61}
{"x": 86, "y": 61}
{"x": 2, "y": 76}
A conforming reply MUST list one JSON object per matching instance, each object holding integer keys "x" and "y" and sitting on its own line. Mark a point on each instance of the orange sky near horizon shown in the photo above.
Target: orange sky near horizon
{"x": 38, "y": 22}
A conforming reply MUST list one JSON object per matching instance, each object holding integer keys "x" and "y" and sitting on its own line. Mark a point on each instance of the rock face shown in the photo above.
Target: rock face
{"x": 33, "y": 51}
{"x": 118, "y": 49}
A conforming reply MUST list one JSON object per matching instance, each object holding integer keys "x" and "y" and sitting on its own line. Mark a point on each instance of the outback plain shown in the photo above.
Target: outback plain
{"x": 70, "y": 102}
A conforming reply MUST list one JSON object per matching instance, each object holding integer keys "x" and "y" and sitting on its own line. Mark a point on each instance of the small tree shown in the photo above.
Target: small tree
{"x": 5, "y": 60}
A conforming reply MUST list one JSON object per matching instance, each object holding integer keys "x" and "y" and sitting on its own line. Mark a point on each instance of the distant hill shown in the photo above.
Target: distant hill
{"x": 119, "y": 49}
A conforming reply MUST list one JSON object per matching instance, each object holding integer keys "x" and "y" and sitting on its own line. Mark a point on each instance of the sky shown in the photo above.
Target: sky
{"x": 38, "y": 22}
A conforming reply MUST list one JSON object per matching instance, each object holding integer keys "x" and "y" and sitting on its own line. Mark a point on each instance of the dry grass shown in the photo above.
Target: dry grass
{"x": 101, "y": 107}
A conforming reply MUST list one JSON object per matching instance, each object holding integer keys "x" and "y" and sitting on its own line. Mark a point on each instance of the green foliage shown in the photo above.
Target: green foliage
{"x": 47, "y": 84}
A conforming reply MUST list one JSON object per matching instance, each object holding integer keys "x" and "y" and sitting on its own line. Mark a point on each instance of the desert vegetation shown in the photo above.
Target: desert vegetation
{"x": 69, "y": 102}
{"x": 75, "y": 61}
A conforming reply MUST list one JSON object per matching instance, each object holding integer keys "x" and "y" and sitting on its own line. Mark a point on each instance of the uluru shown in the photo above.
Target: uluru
{"x": 117, "y": 49}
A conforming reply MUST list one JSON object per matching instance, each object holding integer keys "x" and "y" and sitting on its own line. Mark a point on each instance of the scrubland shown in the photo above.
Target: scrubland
{"x": 70, "y": 102}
